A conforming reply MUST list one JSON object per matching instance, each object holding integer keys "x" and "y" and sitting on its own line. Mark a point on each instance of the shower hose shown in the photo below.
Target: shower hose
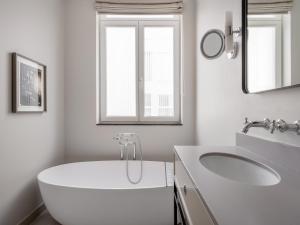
{"x": 137, "y": 139}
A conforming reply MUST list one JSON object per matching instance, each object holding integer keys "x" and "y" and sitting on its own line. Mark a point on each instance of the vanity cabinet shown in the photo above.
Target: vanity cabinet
{"x": 189, "y": 208}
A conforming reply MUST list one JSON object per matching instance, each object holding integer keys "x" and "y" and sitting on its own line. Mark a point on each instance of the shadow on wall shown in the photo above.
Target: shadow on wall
{"x": 29, "y": 194}
{"x": 9, "y": 82}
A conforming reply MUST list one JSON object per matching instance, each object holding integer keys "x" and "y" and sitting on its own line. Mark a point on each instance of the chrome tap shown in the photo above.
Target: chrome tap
{"x": 117, "y": 138}
{"x": 283, "y": 126}
{"x": 266, "y": 123}
{"x": 125, "y": 140}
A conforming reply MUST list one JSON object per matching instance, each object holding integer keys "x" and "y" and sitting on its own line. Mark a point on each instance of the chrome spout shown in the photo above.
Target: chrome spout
{"x": 266, "y": 124}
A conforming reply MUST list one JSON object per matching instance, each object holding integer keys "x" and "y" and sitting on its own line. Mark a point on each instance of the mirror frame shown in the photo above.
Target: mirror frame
{"x": 244, "y": 45}
{"x": 245, "y": 51}
{"x": 222, "y": 49}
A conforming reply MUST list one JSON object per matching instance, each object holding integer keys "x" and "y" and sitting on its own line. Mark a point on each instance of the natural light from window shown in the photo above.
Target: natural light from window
{"x": 159, "y": 70}
{"x": 121, "y": 70}
{"x": 140, "y": 69}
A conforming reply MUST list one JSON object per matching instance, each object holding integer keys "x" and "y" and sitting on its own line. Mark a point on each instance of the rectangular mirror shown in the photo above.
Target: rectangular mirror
{"x": 271, "y": 44}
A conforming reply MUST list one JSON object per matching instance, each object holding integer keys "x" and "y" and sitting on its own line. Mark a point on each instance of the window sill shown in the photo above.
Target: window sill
{"x": 109, "y": 123}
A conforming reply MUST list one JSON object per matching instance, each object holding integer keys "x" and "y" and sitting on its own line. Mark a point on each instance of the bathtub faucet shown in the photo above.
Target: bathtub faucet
{"x": 125, "y": 140}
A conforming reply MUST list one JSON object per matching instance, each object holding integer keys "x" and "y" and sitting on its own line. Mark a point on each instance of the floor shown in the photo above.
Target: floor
{"x": 45, "y": 219}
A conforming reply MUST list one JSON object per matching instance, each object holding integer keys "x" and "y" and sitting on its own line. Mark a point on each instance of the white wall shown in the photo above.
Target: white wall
{"x": 29, "y": 142}
{"x": 85, "y": 140}
{"x": 221, "y": 105}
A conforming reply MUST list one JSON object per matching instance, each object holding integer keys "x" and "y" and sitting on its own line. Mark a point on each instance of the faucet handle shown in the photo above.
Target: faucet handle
{"x": 297, "y": 124}
{"x": 116, "y": 138}
{"x": 273, "y": 126}
{"x": 281, "y": 125}
{"x": 246, "y": 120}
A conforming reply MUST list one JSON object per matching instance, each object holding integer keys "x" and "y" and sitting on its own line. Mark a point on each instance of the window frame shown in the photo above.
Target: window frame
{"x": 139, "y": 24}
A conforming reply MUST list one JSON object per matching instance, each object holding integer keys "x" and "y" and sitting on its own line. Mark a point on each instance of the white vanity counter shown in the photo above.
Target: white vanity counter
{"x": 236, "y": 203}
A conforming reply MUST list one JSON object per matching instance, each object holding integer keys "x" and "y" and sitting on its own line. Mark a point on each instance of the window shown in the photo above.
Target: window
{"x": 264, "y": 52}
{"x": 139, "y": 69}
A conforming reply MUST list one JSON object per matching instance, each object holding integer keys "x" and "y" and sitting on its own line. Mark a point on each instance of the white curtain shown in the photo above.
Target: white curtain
{"x": 139, "y": 6}
{"x": 269, "y": 6}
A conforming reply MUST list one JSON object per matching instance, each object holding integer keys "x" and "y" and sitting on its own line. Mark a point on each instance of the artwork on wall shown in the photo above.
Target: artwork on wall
{"x": 28, "y": 85}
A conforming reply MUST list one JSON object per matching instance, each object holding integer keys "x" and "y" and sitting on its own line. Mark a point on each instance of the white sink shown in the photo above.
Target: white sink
{"x": 240, "y": 169}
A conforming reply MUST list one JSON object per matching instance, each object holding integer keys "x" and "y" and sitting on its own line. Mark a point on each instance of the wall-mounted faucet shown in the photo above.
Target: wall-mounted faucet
{"x": 266, "y": 124}
{"x": 125, "y": 140}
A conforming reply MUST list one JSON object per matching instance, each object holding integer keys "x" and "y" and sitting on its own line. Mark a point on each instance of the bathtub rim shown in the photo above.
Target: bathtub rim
{"x": 41, "y": 181}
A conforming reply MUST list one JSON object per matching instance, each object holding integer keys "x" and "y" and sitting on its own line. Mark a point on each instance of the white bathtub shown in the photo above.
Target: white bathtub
{"x": 98, "y": 193}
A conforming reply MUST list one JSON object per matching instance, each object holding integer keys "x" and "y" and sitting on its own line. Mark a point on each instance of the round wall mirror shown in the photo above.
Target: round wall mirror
{"x": 213, "y": 44}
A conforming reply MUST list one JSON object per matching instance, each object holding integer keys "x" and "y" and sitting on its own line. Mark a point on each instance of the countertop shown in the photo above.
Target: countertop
{"x": 235, "y": 203}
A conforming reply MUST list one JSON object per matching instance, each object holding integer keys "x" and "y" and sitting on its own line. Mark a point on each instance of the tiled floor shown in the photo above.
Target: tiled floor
{"x": 45, "y": 219}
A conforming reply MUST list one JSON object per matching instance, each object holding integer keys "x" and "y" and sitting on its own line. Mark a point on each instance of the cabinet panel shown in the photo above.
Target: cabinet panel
{"x": 194, "y": 208}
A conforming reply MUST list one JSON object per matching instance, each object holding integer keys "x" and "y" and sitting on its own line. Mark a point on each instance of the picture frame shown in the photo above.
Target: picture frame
{"x": 29, "y": 89}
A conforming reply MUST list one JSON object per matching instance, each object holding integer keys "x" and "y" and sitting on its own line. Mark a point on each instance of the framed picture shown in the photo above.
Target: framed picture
{"x": 28, "y": 85}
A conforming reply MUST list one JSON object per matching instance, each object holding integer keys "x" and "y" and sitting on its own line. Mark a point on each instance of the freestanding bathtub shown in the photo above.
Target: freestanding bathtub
{"x": 99, "y": 193}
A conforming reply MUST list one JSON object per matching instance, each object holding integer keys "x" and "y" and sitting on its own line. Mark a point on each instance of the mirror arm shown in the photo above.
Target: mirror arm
{"x": 231, "y": 33}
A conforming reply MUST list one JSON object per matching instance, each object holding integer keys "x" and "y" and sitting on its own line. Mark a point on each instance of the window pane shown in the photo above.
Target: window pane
{"x": 261, "y": 58}
{"x": 159, "y": 71}
{"x": 121, "y": 71}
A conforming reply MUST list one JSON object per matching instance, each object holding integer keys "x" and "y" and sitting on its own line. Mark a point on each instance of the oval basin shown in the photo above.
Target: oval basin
{"x": 240, "y": 169}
